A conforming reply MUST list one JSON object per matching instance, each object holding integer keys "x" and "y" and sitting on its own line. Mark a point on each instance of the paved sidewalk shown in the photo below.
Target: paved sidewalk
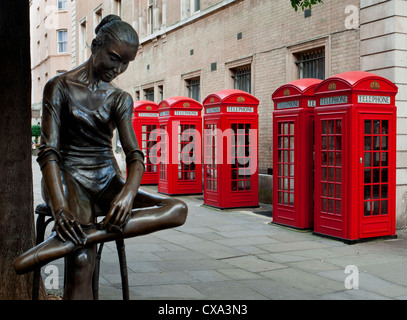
{"x": 239, "y": 255}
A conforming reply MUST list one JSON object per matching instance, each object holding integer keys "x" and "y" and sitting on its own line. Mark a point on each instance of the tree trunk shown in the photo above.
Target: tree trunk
{"x": 16, "y": 191}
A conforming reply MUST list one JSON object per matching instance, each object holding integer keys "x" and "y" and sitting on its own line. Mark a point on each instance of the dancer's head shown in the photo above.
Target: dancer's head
{"x": 114, "y": 46}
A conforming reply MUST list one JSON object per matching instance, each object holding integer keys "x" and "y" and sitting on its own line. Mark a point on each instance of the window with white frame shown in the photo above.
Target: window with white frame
{"x": 189, "y": 7}
{"x": 194, "y": 87}
{"x": 117, "y": 7}
{"x": 62, "y": 41}
{"x": 61, "y": 4}
{"x": 195, "y": 5}
{"x": 82, "y": 42}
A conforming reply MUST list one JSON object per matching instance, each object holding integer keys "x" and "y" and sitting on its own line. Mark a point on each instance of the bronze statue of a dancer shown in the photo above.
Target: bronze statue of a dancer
{"x": 81, "y": 178}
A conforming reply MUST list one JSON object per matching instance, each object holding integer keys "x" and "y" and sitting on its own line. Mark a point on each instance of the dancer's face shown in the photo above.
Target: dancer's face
{"x": 112, "y": 59}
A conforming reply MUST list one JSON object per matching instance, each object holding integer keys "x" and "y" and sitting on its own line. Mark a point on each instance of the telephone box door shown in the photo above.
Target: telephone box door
{"x": 377, "y": 166}
{"x": 330, "y": 158}
{"x": 284, "y": 139}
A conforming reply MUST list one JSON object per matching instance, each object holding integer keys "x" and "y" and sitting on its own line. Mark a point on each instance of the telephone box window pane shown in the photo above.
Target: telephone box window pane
{"x": 368, "y": 143}
{"x": 384, "y": 143}
{"x": 367, "y": 207}
{"x": 376, "y": 208}
{"x": 368, "y": 176}
{"x": 368, "y": 126}
{"x": 383, "y": 209}
{"x": 385, "y": 126}
{"x": 324, "y": 126}
{"x": 376, "y": 127}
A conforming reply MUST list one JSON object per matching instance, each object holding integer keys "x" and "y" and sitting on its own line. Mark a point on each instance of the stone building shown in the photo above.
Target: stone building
{"x": 196, "y": 47}
{"x": 50, "y": 28}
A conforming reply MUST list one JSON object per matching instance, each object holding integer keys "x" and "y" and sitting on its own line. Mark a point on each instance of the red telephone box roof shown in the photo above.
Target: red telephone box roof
{"x": 180, "y": 102}
{"x": 300, "y": 86}
{"x": 145, "y": 105}
{"x": 357, "y": 80}
{"x": 231, "y": 96}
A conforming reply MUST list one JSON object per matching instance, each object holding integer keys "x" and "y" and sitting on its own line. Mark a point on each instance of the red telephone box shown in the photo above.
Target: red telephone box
{"x": 355, "y": 157}
{"x": 293, "y": 163}
{"x": 145, "y": 124}
{"x": 231, "y": 149}
{"x": 180, "y": 143}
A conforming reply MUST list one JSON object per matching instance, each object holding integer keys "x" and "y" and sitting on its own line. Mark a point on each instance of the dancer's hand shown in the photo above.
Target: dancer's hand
{"x": 66, "y": 225}
{"x": 120, "y": 208}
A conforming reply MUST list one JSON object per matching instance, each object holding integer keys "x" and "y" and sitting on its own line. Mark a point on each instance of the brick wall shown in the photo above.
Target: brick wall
{"x": 268, "y": 28}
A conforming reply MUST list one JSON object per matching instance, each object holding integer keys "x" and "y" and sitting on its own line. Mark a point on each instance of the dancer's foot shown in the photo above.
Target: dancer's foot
{"x": 51, "y": 249}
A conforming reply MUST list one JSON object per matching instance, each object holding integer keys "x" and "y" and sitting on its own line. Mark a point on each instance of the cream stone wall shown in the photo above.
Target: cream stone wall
{"x": 383, "y": 51}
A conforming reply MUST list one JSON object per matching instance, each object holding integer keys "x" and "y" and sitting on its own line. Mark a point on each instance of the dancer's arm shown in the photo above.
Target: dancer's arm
{"x": 66, "y": 225}
{"x": 122, "y": 205}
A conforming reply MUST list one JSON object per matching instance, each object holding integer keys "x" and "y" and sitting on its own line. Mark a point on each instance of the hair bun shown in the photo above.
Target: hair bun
{"x": 109, "y": 18}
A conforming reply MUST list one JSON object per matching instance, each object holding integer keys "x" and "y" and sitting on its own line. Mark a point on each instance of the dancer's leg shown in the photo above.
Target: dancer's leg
{"x": 161, "y": 213}
{"x": 80, "y": 264}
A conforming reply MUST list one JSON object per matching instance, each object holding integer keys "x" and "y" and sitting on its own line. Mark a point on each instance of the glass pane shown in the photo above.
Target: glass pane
{"x": 331, "y": 127}
{"x": 331, "y": 158}
{"x": 368, "y": 176}
{"x": 376, "y": 126}
{"x": 384, "y": 190}
{"x": 338, "y": 159}
{"x": 376, "y": 142}
{"x": 324, "y": 189}
{"x": 323, "y": 174}
{"x": 338, "y": 173}
{"x": 385, "y": 162}
{"x": 291, "y": 128}
{"x": 367, "y": 159}
{"x": 324, "y": 158}
{"x": 331, "y": 206}
{"x": 367, "y": 207}
{"x": 338, "y": 143}
{"x": 324, "y": 205}
{"x": 324, "y": 143}
{"x": 385, "y": 175}
{"x": 384, "y": 143}
{"x": 368, "y": 143}
{"x": 331, "y": 141}
{"x": 376, "y": 208}
{"x": 338, "y": 191}
{"x": 331, "y": 174}
{"x": 338, "y": 207}
{"x": 376, "y": 191}
{"x": 376, "y": 159}
{"x": 291, "y": 199}
{"x": 384, "y": 207}
{"x": 367, "y": 192}
{"x": 323, "y": 123}
{"x": 385, "y": 126}
{"x": 376, "y": 176}
{"x": 368, "y": 127}
{"x": 331, "y": 190}
{"x": 338, "y": 127}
